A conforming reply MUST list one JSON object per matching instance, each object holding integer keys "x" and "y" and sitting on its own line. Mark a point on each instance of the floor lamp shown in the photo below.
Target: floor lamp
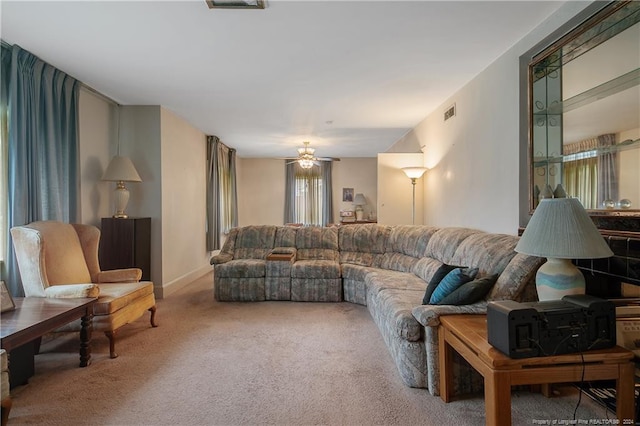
{"x": 414, "y": 173}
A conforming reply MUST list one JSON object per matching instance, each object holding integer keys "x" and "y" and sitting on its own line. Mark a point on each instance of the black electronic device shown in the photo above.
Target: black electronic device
{"x": 574, "y": 324}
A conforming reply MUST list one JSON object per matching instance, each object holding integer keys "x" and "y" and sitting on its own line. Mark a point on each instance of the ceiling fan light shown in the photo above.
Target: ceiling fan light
{"x": 305, "y": 163}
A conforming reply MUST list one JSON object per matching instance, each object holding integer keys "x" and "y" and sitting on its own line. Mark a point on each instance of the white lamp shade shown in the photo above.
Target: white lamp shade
{"x": 121, "y": 169}
{"x": 561, "y": 228}
{"x": 414, "y": 172}
{"x": 359, "y": 200}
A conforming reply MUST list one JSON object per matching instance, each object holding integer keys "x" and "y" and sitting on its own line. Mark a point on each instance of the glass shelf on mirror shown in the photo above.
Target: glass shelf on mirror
{"x": 621, "y": 146}
{"x": 611, "y": 87}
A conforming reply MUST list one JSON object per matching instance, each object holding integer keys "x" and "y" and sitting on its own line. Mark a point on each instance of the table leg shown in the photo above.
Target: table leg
{"x": 497, "y": 399}
{"x": 445, "y": 355}
{"x": 86, "y": 327}
{"x": 625, "y": 405}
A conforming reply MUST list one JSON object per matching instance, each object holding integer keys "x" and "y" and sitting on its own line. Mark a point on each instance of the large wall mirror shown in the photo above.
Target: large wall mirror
{"x": 584, "y": 114}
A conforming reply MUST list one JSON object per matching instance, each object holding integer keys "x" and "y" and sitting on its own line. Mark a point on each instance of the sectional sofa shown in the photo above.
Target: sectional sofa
{"x": 386, "y": 268}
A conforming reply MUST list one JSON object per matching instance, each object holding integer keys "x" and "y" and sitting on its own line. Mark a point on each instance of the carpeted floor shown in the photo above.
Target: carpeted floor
{"x": 278, "y": 363}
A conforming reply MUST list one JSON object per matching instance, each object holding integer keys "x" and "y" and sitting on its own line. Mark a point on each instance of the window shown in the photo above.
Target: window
{"x": 308, "y": 194}
{"x": 308, "y": 198}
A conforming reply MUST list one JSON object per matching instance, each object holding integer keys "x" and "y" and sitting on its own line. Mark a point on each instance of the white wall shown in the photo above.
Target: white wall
{"x": 474, "y": 157}
{"x": 261, "y": 188}
{"x": 184, "y": 255}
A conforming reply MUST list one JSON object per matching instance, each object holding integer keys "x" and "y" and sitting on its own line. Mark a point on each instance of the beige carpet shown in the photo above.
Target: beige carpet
{"x": 280, "y": 363}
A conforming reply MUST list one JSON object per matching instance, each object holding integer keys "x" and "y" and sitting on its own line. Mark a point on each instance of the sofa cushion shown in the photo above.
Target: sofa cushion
{"x": 516, "y": 279}
{"x": 440, "y": 273}
{"x": 254, "y": 242}
{"x": 356, "y": 272}
{"x": 452, "y": 281}
{"x": 316, "y": 242}
{"x": 392, "y": 309}
{"x": 363, "y": 244}
{"x": 313, "y": 269}
{"x": 383, "y": 279}
{"x": 490, "y": 253}
{"x": 410, "y": 240}
{"x": 470, "y": 292}
{"x": 114, "y": 296}
{"x": 241, "y": 268}
{"x": 444, "y": 243}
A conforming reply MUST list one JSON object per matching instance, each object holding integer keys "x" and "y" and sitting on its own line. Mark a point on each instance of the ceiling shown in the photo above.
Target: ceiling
{"x": 351, "y": 77}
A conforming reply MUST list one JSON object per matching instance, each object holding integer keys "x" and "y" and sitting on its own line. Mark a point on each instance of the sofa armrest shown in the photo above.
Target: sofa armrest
{"x": 120, "y": 275}
{"x": 282, "y": 253}
{"x": 220, "y": 258}
{"x": 63, "y": 291}
{"x": 429, "y": 315}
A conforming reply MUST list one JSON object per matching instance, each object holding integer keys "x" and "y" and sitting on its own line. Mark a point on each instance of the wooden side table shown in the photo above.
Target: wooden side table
{"x": 126, "y": 243}
{"x": 467, "y": 335}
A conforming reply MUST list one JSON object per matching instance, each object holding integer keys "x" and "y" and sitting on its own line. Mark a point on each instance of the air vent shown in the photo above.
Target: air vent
{"x": 235, "y": 4}
{"x": 450, "y": 112}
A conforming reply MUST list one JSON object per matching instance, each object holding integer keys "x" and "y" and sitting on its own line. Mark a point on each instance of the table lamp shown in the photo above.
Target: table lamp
{"x": 359, "y": 201}
{"x": 561, "y": 230}
{"x": 121, "y": 170}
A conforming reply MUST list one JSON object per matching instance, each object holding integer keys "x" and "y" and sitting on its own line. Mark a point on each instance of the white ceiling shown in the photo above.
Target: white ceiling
{"x": 351, "y": 77}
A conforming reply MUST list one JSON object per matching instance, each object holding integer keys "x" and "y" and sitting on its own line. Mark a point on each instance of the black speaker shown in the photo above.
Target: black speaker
{"x": 574, "y": 324}
{"x": 513, "y": 328}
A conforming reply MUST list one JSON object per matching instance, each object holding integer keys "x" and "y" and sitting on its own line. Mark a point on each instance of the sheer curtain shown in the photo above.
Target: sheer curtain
{"x": 222, "y": 194}
{"x": 42, "y": 145}
{"x": 308, "y": 194}
{"x": 607, "y": 169}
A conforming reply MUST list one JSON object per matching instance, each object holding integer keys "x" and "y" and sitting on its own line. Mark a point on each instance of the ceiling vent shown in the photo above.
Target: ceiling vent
{"x": 235, "y": 4}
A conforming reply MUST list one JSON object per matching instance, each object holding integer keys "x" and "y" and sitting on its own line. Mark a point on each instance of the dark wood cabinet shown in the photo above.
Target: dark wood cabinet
{"x": 126, "y": 243}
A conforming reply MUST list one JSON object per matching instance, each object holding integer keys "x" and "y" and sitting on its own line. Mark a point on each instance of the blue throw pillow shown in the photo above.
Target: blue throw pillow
{"x": 442, "y": 272}
{"x": 452, "y": 281}
{"x": 470, "y": 292}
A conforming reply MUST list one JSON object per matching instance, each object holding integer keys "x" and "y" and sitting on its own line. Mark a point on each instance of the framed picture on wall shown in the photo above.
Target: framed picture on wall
{"x": 347, "y": 195}
{"x": 5, "y": 297}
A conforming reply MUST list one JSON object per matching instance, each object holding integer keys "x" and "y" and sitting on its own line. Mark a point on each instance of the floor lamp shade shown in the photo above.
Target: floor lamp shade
{"x": 121, "y": 170}
{"x": 413, "y": 173}
{"x": 561, "y": 230}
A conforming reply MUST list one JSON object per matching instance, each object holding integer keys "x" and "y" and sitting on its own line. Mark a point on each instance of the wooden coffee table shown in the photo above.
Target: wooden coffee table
{"x": 467, "y": 335}
{"x": 36, "y": 316}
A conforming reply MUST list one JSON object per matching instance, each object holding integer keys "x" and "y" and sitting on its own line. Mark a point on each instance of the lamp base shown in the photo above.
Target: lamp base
{"x": 359, "y": 214}
{"x": 557, "y": 278}
{"x": 121, "y": 199}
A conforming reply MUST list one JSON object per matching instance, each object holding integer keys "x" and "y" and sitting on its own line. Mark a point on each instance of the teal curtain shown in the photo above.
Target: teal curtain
{"x": 222, "y": 193}
{"x": 43, "y": 145}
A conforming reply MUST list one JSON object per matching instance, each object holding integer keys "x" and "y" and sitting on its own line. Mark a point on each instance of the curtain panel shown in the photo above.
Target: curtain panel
{"x": 607, "y": 169}
{"x": 42, "y": 145}
{"x": 222, "y": 193}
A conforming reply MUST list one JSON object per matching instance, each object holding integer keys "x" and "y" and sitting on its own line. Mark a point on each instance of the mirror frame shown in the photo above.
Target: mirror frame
{"x": 615, "y": 221}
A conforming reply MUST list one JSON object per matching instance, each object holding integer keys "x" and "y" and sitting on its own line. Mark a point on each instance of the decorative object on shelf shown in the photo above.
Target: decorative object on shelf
{"x": 359, "y": 201}
{"x": 121, "y": 170}
{"x": 561, "y": 230}
{"x": 559, "y": 192}
{"x": 414, "y": 173}
{"x": 347, "y": 216}
{"x": 547, "y": 192}
{"x": 609, "y": 204}
{"x": 625, "y": 203}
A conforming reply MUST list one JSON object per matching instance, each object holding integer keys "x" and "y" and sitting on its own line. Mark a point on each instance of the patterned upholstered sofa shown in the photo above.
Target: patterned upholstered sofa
{"x": 385, "y": 268}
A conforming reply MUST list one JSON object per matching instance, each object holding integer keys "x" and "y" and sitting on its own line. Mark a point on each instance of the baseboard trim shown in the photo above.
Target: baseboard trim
{"x": 181, "y": 282}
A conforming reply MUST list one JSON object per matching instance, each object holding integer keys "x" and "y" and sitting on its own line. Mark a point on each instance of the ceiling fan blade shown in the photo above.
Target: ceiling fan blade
{"x": 327, "y": 159}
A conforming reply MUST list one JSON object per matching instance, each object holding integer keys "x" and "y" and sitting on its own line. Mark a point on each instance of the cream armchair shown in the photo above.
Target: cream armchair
{"x": 57, "y": 259}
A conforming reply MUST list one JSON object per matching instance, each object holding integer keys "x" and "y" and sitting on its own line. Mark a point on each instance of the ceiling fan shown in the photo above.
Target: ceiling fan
{"x": 307, "y": 159}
